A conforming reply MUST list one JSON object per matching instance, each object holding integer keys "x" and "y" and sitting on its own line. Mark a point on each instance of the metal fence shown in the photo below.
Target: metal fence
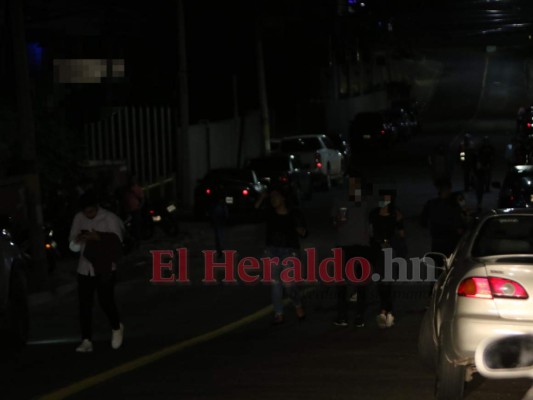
{"x": 143, "y": 137}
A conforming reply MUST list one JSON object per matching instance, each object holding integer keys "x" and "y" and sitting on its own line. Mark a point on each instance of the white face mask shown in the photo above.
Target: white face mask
{"x": 384, "y": 203}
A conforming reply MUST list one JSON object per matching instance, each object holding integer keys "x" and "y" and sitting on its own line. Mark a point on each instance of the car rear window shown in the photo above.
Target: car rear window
{"x": 269, "y": 164}
{"x": 504, "y": 235}
{"x": 368, "y": 119}
{"x": 230, "y": 174}
{"x": 300, "y": 145}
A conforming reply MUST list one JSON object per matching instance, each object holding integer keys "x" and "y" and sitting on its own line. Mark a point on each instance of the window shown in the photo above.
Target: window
{"x": 505, "y": 235}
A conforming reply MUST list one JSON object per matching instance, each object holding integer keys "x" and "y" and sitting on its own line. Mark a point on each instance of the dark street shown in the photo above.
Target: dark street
{"x": 216, "y": 341}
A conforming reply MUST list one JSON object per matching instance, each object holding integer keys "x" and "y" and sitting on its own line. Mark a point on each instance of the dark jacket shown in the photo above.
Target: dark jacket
{"x": 104, "y": 252}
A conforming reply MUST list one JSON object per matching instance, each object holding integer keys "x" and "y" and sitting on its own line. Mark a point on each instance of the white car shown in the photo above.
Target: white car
{"x": 318, "y": 155}
{"x": 485, "y": 290}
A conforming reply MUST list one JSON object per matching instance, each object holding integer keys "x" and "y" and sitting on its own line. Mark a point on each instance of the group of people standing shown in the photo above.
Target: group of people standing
{"x": 477, "y": 163}
{"x": 367, "y": 230}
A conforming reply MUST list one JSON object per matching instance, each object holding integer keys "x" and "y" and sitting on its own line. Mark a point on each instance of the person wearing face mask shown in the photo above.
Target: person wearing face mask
{"x": 97, "y": 234}
{"x": 387, "y": 232}
{"x": 349, "y": 216}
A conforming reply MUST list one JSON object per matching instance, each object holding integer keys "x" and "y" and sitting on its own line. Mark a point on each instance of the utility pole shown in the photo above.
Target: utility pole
{"x": 27, "y": 140}
{"x": 239, "y": 122}
{"x": 182, "y": 139}
{"x": 263, "y": 100}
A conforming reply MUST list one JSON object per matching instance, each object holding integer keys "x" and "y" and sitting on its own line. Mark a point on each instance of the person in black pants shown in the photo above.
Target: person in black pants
{"x": 97, "y": 234}
{"x": 387, "y": 232}
{"x": 350, "y": 219}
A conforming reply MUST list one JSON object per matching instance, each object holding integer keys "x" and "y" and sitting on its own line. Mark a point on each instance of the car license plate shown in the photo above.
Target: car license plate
{"x": 366, "y": 136}
{"x": 229, "y": 200}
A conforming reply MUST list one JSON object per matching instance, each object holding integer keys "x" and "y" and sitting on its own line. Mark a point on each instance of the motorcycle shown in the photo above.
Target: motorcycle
{"x": 506, "y": 357}
{"x": 165, "y": 216}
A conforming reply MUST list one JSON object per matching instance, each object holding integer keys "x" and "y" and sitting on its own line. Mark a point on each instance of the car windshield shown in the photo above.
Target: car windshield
{"x": 368, "y": 119}
{"x": 512, "y": 234}
{"x": 230, "y": 174}
{"x": 300, "y": 145}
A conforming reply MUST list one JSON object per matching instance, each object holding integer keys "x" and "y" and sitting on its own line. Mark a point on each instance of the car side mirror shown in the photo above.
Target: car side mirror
{"x": 496, "y": 185}
{"x": 504, "y": 357}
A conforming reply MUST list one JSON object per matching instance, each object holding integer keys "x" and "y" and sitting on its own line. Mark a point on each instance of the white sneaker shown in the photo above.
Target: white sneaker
{"x": 85, "y": 347}
{"x": 116, "y": 337}
{"x": 389, "y": 320}
{"x": 382, "y": 320}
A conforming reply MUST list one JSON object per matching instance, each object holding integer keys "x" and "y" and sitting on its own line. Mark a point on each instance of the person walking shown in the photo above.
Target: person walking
{"x": 443, "y": 218}
{"x": 285, "y": 225}
{"x": 486, "y": 159}
{"x": 219, "y": 215}
{"x": 387, "y": 232}
{"x": 350, "y": 219}
{"x": 467, "y": 160}
{"x": 439, "y": 162}
{"x": 97, "y": 234}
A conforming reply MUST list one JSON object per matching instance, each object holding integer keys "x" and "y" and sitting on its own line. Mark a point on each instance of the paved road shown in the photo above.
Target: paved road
{"x": 166, "y": 352}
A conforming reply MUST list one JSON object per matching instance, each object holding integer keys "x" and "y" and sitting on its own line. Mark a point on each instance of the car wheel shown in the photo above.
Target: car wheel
{"x": 17, "y": 310}
{"x": 450, "y": 379}
{"x": 426, "y": 345}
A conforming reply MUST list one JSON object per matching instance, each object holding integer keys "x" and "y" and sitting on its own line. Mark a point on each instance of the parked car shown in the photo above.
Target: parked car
{"x": 238, "y": 188}
{"x": 342, "y": 145}
{"x": 484, "y": 289}
{"x": 284, "y": 169}
{"x": 517, "y": 188}
{"x": 317, "y": 155}
{"x": 371, "y": 129}
{"x": 14, "y": 314}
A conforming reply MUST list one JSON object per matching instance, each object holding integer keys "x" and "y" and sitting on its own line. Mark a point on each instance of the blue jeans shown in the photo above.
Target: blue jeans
{"x": 277, "y": 286}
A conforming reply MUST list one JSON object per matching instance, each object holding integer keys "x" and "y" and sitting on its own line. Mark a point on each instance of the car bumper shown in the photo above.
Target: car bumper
{"x": 468, "y": 332}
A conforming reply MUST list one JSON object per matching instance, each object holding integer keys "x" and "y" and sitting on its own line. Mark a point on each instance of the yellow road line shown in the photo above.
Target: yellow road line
{"x": 158, "y": 355}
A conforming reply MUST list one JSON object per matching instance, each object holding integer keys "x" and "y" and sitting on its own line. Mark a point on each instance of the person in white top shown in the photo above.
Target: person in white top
{"x": 97, "y": 234}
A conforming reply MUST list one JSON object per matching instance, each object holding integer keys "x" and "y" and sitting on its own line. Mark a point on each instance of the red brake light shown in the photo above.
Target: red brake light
{"x": 529, "y": 124}
{"x": 475, "y": 287}
{"x": 508, "y": 289}
{"x": 284, "y": 179}
{"x": 488, "y": 288}
{"x": 382, "y": 132}
{"x": 207, "y": 191}
{"x": 319, "y": 165}
{"x": 152, "y": 212}
{"x": 245, "y": 192}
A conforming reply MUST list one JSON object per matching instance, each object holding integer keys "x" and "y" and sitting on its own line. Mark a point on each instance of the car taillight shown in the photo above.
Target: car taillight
{"x": 245, "y": 192}
{"x": 283, "y": 178}
{"x": 529, "y": 124}
{"x": 152, "y": 212}
{"x": 207, "y": 191}
{"x": 318, "y": 160}
{"x": 382, "y": 132}
{"x": 488, "y": 288}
